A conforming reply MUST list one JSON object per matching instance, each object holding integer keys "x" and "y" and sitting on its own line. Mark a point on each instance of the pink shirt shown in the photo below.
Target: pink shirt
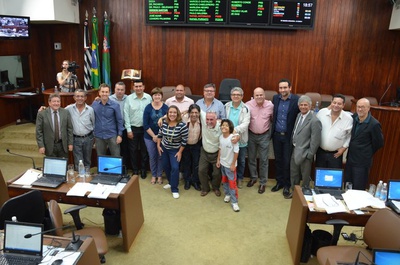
{"x": 260, "y": 116}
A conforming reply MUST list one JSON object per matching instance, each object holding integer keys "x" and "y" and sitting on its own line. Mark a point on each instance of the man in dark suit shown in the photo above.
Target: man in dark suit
{"x": 285, "y": 113}
{"x": 54, "y": 134}
{"x": 305, "y": 141}
{"x": 366, "y": 139}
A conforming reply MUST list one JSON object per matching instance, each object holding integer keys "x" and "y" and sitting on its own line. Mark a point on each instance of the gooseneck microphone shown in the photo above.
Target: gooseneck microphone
{"x": 387, "y": 89}
{"x": 110, "y": 168}
{"x": 47, "y": 231}
{"x": 33, "y": 161}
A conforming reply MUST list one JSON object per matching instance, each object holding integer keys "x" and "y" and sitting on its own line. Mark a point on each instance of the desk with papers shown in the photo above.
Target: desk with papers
{"x": 304, "y": 210}
{"x": 124, "y": 197}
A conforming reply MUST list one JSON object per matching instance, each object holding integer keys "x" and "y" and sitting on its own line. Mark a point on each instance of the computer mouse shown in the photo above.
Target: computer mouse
{"x": 57, "y": 262}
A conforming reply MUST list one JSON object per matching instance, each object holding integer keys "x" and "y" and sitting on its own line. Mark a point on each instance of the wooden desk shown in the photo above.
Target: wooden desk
{"x": 300, "y": 215}
{"x": 88, "y": 249}
{"x": 67, "y": 97}
{"x": 128, "y": 202}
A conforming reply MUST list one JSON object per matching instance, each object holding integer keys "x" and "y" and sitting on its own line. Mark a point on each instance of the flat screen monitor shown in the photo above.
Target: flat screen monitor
{"x": 14, "y": 27}
{"x": 293, "y": 13}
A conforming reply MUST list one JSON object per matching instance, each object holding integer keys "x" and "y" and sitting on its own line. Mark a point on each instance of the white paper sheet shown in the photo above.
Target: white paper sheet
{"x": 30, "y": 176}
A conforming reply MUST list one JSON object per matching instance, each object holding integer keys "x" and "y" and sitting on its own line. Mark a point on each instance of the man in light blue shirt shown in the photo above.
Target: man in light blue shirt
{"x": 134, "y": 107}
{"x": 210, "y": 103}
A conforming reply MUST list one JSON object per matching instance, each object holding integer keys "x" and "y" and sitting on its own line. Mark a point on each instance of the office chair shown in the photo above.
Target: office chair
{"x": 348, "y": 102}
{"x": 3, "y": 190}
{"x": 225, "y": 89}
{"x": 28, "y": 207}
{"x": 315, "y": 97}
{"x": 269, "y": 94}
{"x": 381, "y": 231}
{"x": 96, "y": 233}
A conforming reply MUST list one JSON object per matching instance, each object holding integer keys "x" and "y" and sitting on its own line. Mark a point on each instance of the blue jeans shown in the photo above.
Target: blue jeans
{"x": 229, "y": 183}
{"x": 83, "y": 150}
{"x": 241, "y": 162}
{"x": 283, "y": 153}
{"x": 190, "y": 162}
{"x": 101, "y": 146}
{"x": 154, "y": 158}
{"x": 171, "y": 167}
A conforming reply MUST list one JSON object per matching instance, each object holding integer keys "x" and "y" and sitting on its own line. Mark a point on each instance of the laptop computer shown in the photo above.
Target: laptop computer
{"x": 17, "y": 247}
{"x": 329, "y": 180}
{"x": 393, "y": 197}
{"x": 54, "y": 172}
{"x": 110, "y": 170}
{"x": 386, "y": 257}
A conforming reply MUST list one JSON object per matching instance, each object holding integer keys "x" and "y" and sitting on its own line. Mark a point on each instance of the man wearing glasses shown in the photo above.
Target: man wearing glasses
{"x": 210, "y": 103}
{"x": 133, "y": 115}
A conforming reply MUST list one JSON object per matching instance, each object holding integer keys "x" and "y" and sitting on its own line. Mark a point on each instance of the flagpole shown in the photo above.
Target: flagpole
{"x": 95, "y": 66}
{"x": 87, "y": 54}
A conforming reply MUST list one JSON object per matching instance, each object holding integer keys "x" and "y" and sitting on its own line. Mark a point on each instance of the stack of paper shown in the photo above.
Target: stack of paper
{"x": 328, "y": 203}
{"x": 30, "y": 176}
{"x": 357, "y": 199}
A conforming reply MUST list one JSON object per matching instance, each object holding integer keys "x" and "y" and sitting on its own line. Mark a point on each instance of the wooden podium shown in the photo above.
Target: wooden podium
{"x": 384, "y": 166}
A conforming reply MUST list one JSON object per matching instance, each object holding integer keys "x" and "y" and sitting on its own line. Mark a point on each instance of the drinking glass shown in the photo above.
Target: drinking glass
{"x": 71, "y": 173}
{"x": 349, "y": 186}
{"x": 87, "y": 172}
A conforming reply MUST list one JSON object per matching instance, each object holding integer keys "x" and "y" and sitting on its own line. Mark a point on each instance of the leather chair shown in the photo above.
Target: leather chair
{"x": 224, "y": 94}
{"x": 169, "y": 91}
{"x": 28, "y": 207}
{"x": 96, "y": 233}
{"x": 269, "y": 94}
{"x": 3, "y": 190}
{"x": 347, "y": 102}
{"x": 381, "y": 231}
{"x": 372, "y": 101}
{"x": 315, "y": 97}
{"x": 325, "y": 100}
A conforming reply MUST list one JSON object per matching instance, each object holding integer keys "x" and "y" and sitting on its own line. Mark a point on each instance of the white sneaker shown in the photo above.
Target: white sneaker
{"x": 235, "y": 207}
{"x": 227, "y": 198}
{"x": 167, "y": 186}
{"x": 175, "y": 195}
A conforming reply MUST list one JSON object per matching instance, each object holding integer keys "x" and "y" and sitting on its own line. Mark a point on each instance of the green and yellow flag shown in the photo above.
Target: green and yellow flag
{"x": 95, "y": 67}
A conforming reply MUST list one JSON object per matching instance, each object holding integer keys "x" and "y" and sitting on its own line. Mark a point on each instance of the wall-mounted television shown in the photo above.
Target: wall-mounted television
{"x": 14, "y": 27}
{"x": 284, "y": 14}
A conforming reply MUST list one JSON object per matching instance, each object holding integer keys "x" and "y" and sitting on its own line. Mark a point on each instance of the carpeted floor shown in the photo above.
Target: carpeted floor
{"x": 199, "y": 230}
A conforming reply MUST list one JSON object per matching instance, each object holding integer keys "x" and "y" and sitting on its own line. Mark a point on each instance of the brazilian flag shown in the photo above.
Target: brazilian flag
{"x": 95, "y": 68}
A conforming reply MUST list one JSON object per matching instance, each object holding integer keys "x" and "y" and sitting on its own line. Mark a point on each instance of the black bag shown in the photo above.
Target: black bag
{"x": 307, "y": 243}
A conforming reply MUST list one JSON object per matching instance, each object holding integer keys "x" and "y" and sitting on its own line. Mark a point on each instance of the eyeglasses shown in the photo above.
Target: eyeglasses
{"x": 236, "y": 95}
{"x": 209, "y": 91}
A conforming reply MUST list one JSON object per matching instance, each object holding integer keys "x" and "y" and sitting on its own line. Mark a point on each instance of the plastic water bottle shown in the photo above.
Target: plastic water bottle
{"x": 14, "y": 219}
{"x": 43, "y": 88}
{"x": 55, "y": 89}
{"x": 81, "y": 169}
{"x": 379, "y": 189}
{"x": 316, "y": 109}
{"x": 384, "y": 192}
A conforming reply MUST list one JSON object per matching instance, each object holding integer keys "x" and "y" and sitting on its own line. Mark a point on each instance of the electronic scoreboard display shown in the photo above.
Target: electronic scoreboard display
{"x": 284, "y": 14}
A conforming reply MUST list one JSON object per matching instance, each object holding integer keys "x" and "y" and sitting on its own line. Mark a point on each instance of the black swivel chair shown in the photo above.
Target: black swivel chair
{"x": 225, "y": 89}
{"x": 28, "y": 207}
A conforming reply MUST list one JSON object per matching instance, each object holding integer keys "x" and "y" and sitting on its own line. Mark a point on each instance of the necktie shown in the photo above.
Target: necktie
{"x": 56, "y": 127}
{"x": 299, "y": 123}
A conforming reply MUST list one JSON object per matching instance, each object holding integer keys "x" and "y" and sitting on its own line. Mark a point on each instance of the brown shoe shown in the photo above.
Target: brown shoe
{"x": 251, "y": 183}
{"x": 203, "y": 193}
{"x": 261, "y": 189}
{"x": 217, "y": 192}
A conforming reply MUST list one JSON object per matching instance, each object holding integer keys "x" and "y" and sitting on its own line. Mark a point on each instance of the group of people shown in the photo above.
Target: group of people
{"x": 208, "y": 141}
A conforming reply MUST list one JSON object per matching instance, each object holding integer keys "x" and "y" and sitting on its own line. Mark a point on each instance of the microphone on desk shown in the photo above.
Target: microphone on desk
{"x": 110, "y": 168}
{"x": 126, "y": 177}
{"x": 47, "y": 231}
{"x": 360, "y": 263}
{"x": 33, "y": 161}
{"x": 387, "y": 89}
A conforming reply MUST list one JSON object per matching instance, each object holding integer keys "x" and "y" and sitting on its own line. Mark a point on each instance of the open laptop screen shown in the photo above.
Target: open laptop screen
{"x": 329, "y": 177}
{"x": 394, "y": 190}
{"x": 15, "y": 241}
{"x": 55, "y": 166}
{"x": 386, "y": 257}
{"x": 110, "y": 165}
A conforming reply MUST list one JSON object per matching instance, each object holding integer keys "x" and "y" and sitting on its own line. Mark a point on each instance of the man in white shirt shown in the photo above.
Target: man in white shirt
{"x": 180, "y": 100}
{"x": 335, "y": 134}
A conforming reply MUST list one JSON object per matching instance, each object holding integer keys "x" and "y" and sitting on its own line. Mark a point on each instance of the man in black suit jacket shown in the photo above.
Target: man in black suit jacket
{"x": 366, "y": 139}
{"x": 48, "y": 143}
{"x": 285, "y": 113}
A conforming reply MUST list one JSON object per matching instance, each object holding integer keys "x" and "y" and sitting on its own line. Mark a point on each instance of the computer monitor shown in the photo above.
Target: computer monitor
{"x": 4, "y": 77}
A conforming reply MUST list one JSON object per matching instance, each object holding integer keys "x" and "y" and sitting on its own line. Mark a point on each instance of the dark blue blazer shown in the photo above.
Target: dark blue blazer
{"x": 292, "y": 114}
